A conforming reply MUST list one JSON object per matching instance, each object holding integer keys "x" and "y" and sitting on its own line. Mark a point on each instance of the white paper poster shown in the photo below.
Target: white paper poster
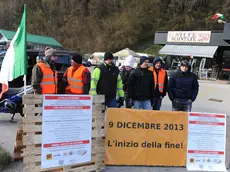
{"x": 206, "y": 142}
{"x": 66, "y": 130}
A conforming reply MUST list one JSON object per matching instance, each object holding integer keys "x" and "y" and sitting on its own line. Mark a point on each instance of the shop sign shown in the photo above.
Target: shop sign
{"x": 189, "y": 36}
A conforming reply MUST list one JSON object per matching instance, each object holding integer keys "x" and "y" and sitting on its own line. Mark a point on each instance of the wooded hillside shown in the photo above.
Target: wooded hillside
{"x": 101, "y": 25}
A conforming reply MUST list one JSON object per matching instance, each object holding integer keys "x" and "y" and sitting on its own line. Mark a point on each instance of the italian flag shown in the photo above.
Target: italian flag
{"x": 218, "y": 16}
{"x": 14, "y": 63}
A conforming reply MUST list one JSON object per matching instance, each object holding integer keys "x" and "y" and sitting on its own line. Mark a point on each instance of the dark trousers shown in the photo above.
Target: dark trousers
{"x": 127, "y": 101}
{"x": 157, "y": 103}
{"x": 182, "y": 105}
{"x": 111, "y": 103}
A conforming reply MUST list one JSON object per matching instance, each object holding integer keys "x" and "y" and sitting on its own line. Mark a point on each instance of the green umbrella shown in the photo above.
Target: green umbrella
{"x": 125, "y": 52}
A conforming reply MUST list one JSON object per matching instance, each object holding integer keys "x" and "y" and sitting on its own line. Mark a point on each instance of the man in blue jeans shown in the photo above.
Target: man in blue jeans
{"x": 160, "y": 81}
{"x": 183, "y": 88}
{"x": 141, "y": 86}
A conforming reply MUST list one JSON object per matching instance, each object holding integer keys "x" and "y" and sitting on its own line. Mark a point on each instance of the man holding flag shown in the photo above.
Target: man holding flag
{"x": 14, "y": 63}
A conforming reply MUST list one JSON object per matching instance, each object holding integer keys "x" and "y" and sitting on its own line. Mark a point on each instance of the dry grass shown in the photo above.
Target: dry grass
{"x": 5, "y": 158}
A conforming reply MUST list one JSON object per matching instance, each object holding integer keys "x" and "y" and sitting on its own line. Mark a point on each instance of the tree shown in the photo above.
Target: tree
{"x": 102, "y": 25}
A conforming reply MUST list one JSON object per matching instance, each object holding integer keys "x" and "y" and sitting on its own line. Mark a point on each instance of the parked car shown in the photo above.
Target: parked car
{"x": 86, "y": 63}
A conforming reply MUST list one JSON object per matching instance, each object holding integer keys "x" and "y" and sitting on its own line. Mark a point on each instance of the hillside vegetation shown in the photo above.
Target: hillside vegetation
{"x": 101, "y": 25}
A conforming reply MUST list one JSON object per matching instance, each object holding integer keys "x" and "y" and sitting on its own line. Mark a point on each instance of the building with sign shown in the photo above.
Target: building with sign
{"x": 206, "y": 50}
{"x": 34, "y": 42}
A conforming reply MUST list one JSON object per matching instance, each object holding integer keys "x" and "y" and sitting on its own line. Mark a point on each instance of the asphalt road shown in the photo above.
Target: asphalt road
{"x": 207, "y": 90}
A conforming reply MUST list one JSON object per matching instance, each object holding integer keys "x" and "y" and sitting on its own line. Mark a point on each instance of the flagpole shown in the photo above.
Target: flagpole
{"x": 24, "y": 78}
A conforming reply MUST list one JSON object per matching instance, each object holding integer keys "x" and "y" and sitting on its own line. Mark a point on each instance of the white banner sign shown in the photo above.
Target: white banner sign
{"x": 206, "y": 142}
{"x": 66, "y": 130}
{"x": 189, "y": 36}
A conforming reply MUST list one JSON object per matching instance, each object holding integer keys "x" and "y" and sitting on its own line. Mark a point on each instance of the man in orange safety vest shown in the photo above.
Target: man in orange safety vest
{"x": 77, "y": 76}
{"x": 44, "y": 76}
{"x": 160, "y": 82}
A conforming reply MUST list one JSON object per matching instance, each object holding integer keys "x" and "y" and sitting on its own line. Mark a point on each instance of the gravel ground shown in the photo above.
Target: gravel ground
{"x": 14, "y": 167}
{"x": 207, "y": 90}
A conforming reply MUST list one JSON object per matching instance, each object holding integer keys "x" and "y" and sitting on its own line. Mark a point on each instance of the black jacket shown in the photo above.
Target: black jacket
{"x": 107, "y": 84}
{"x": 125, "y": 72}
{"x": 183, "y": 85}
{"x": 141, "y": 84}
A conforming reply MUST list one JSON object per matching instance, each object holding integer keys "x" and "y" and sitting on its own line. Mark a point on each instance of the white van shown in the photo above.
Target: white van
{"x": 98, "y": 57}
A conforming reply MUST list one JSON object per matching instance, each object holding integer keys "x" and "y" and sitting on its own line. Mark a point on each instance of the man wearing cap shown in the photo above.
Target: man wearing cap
{"x": 106, "y": 80}
{"x": 44, "y": 76}
{"x": 77, "y": 76}
{"x": 141, "y": 86}
{"x": 183, "y": 88}
{"x": 160, "y": 82}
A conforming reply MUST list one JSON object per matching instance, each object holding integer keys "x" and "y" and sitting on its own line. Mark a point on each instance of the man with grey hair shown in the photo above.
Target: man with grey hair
{"x": 44, "y": 75}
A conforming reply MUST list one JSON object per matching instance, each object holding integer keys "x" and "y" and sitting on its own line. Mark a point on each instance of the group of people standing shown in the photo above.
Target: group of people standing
{"x": 146, "y": 87}
{"x": 141, "y": 87}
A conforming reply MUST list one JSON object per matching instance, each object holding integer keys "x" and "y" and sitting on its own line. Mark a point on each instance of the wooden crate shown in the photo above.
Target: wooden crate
{"x": 32, "y": 136}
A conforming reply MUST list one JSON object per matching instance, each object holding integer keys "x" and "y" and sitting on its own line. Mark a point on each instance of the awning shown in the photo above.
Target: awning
{"x": 188, "y": 50}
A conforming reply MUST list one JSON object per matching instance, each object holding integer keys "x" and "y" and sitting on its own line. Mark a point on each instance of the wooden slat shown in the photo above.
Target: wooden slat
{"x": 99, "y": 99}
{"x": 31, "y": 118}
{"x": 32, "y": 110}
{"x": 34, "y": 96}
{"x": 86, "y": 168}
{"x": 98, "y": 133}
{"x": 20, "y": 124}
{"x": 98, "y": 123}
{"x": 31, "y": 99}
{"x": 17, "y": 156}
{"x": 19, "y": 143}
{"x": 98, "y": 114}
{"x": 32, "y": 128}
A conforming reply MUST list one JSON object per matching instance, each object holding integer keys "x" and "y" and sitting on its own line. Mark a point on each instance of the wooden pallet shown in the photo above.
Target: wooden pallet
{"x": 32, "y": 136}
{"x": 18, "y": 147}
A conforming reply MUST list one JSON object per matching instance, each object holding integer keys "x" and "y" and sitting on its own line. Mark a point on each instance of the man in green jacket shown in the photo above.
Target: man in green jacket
{"x": 106, "y": 80}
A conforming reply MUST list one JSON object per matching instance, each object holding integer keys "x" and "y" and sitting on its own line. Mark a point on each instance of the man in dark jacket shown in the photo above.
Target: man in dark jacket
{"x": 160, "y": 81}
{"x": 141, "y": 86}
{"x": 183, "y": 88}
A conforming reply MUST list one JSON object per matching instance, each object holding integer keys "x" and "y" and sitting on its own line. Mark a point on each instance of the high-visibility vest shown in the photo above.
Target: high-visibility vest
{"x": 75, "y": 83}
{"x": 161, "y": 78}
{"x": 49, "y": 79}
